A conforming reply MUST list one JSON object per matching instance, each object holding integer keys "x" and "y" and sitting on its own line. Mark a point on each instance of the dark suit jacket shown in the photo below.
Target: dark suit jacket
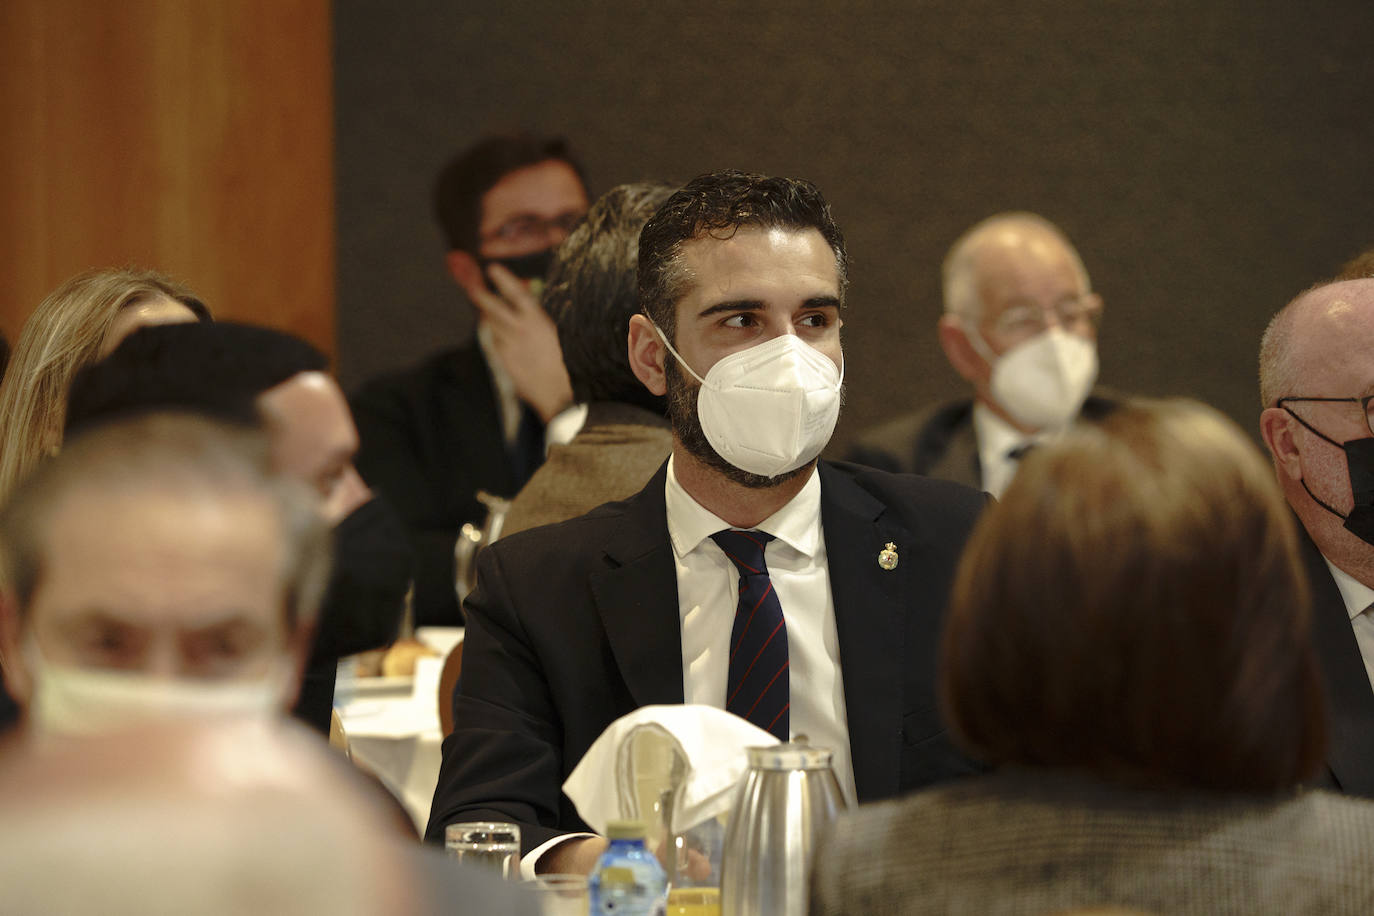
{"x": 431, "y": 438}
{"x": 1052, "y": 842}
{"x": 939, "y": 442}
{"x": 1349, "y": 697}
{"x": 574, "y": 625}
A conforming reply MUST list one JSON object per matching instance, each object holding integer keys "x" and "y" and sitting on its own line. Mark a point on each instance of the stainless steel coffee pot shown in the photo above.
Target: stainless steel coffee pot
{"x": 786, "y": 801}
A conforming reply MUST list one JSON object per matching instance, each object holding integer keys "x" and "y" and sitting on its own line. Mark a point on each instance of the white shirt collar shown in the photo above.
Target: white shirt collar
{"x": 996, "y": 437}
{"x": 796, "y": 524}
{"x": 1356, "y": 595}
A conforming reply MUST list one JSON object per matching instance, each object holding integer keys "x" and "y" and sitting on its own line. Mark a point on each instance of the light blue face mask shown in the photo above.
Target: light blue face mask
{"x": 771, "y": 408}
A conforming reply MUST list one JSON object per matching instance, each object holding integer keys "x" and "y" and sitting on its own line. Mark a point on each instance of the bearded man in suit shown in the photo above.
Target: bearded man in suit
{"x": 804, "y": 596}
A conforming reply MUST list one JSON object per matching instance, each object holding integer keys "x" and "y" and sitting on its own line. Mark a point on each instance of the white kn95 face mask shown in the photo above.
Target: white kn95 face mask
{"x": 1044, "y": 380}
{"x": 771, "y": 408}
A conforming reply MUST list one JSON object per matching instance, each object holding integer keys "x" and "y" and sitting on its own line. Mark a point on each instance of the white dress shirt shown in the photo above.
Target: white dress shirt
{"x": 996, "y": 438}
{"x": 708, "y": 591}
{"x": 1358, "y": 597}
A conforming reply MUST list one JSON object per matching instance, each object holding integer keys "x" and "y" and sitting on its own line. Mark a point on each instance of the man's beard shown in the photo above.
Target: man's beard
{"x": 682, "y": 413}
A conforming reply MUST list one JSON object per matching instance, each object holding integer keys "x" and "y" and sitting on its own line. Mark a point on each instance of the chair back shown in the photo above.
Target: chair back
{"x": 448, "y": 680}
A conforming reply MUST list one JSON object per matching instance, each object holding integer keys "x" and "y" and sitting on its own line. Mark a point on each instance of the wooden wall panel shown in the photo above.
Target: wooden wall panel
{"x": 191, "y": 137}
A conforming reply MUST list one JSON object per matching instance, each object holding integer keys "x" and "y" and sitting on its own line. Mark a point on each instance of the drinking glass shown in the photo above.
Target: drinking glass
{"x": 560, "y": 895}
{"x": 694, "y": 901}
{"x": 486, "y": 844}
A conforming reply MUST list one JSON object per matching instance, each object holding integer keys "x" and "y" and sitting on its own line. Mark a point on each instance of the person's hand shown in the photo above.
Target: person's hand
{"x": 526, "y": 341}
{"x": 574, "y": 857}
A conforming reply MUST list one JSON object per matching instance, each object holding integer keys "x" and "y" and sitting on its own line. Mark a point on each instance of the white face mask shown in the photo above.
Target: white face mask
{"x": 771, "y": 408}
{"x": 1044, "y": 380}
{"x": 69, "y": 700}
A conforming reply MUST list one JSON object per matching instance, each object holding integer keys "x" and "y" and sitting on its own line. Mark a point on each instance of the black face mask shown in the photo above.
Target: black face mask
{"x": 526, "y": 266}
{"x": 365, "y": 599}
{"x": 1359, "y": 462}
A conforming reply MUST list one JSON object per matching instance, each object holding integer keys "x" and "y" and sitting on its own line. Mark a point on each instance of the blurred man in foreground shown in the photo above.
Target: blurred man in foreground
{"x": 157, "y": 567}
{"x": 1020, "y": 326}
{"x": 472, "y": 417}
{"x": 160, "y": 587}
{"x": 1316, "y": 371}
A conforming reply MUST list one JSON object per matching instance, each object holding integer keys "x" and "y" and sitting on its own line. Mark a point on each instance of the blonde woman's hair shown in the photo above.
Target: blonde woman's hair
{"x": 64, "y": 334}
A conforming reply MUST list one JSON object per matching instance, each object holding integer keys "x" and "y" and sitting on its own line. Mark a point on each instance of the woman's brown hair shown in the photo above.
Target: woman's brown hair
{"x": 1136, "y": 608}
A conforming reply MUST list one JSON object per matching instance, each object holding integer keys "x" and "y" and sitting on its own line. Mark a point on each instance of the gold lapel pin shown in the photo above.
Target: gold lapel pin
{"x": 887, "y": 557}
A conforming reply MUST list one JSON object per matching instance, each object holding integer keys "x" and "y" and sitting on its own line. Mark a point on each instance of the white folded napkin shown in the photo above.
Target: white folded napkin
{"x": 711, "y": 740}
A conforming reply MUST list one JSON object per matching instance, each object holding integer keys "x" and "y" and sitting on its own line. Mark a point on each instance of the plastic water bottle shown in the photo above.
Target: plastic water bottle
{"x": 627, "y": 880}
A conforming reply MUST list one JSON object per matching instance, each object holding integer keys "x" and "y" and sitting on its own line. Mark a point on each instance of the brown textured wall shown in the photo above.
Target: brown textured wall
{"x": 1210, "y": 159}
{"x": 192, "y": 137}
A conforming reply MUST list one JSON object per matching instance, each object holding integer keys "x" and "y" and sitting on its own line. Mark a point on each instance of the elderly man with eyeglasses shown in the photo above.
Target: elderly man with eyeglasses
{"x": 1316, "y": 372}
{"x": 1020, "y": 326}
{"x": 474, "y": 417}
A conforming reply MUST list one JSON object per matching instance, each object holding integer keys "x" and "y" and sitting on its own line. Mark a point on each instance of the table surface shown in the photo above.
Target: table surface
{"x": 392, "y": 724}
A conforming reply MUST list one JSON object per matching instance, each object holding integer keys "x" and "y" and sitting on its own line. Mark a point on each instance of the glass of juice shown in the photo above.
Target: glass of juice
{"x": 694, "y": 901}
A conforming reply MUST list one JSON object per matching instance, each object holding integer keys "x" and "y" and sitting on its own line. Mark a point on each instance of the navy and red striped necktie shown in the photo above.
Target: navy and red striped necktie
{"x": 757, "y": 687}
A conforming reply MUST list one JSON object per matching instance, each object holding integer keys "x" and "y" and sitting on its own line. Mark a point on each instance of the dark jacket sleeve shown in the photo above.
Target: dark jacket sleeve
{"x": 503, "y": 761}
{"x": 392, "y": 459}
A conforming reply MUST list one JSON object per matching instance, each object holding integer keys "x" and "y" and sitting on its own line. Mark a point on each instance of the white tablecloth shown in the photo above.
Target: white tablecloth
{"x": 392, "y": 726}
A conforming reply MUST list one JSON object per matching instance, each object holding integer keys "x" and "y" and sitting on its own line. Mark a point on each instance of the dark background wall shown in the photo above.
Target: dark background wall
{"x": 1210, "y": 159}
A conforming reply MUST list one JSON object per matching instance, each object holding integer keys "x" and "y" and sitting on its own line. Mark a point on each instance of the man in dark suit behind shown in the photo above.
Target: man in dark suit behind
{"x": 472, "y": 417}
{"x": 574, "y": 625}
{"x": 1316, "y": 379}
{"x": 1020, "y": 326}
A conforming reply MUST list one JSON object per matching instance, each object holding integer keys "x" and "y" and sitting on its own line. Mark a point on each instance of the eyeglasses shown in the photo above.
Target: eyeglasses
{"x": 530, "y": 227}
{"x": 1364, "y": 403}
{"x": 1081, "y": 313}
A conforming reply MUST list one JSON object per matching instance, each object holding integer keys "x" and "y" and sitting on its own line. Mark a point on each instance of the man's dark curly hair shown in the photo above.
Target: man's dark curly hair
{"x": 717, "y": 205}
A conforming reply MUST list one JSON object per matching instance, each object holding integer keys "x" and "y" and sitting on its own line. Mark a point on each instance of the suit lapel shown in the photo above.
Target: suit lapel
{"x": 954, "y": 452}
{"x": 871, "y": 608}
{"x": 480, "y": 436}
{"x": 636, "y": 597}
{"x": 1350, "y": 755}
